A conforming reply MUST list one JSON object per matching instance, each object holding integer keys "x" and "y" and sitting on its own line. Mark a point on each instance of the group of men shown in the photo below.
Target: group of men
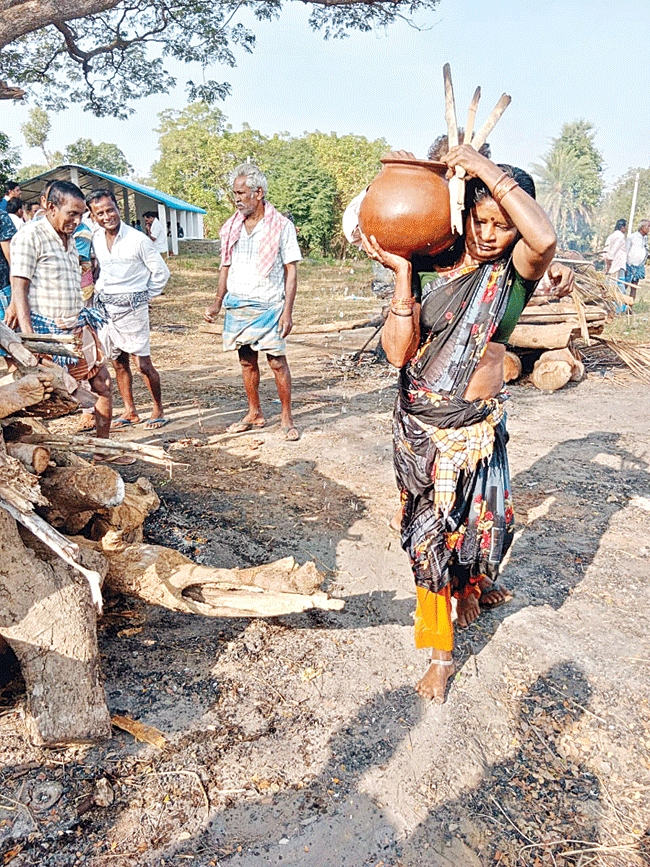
{"x": 47, "y": 286}
{"x": 625, "y": 257}
{"x": 42, "y": 282}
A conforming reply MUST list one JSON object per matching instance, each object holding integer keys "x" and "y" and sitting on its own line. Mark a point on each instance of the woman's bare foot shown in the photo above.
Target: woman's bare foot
{"x": 434, "y": 683}
{"x": 467, "y": 610}
{"x": 493, "y": 595}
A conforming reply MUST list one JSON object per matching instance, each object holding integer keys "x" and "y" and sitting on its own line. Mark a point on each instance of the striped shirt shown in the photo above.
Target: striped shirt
{"x": 38, "y": 255}
{"x": 245, "y": 281}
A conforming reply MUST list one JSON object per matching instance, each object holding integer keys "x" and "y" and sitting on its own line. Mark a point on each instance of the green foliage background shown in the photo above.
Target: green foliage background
{"x": 313, "y": 176}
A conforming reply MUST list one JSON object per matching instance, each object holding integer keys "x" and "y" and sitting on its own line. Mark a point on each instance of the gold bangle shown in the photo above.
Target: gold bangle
{"x": 502, "y": 189}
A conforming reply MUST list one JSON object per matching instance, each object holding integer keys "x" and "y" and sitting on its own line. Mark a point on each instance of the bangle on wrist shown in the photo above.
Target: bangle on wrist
{"x": 503, "y": 186}
{"x": 401, "y": 312}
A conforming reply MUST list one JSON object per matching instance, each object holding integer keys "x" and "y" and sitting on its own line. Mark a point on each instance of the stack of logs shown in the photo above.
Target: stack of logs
{"x": 67, "y": 527}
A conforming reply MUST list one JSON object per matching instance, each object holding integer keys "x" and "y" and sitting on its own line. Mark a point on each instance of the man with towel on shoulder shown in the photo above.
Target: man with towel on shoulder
{"x": 257, "y": 288}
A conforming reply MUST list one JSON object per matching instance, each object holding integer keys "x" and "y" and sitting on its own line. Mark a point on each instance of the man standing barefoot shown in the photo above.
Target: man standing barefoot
{"x": 257, "y": 288}
{"x": 132, "y": 273}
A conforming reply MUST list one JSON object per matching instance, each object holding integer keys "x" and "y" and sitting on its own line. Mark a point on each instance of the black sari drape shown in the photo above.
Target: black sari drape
{"x": 450, "y": 453}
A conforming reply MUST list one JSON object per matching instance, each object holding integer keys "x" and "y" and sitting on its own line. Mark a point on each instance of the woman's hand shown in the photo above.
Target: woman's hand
{"x": 474, "y": 163}
{"x": 388, "y": 260}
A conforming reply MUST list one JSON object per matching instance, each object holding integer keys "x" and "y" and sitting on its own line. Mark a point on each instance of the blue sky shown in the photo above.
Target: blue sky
{"x": 559, "y": 61}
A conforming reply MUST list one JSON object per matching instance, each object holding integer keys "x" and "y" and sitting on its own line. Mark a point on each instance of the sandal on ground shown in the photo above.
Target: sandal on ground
{"x": 115, "y": 460}
{"x": 291, "y": 434}
{"x": 506, "y": 596}
{"x": 155, "y": 423}
{"x": 120, "y": 423}
{"x": 243, "y": 426}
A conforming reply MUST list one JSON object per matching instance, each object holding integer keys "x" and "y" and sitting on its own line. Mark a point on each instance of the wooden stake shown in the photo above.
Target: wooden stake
{"x": 452, "y": 138}
{"x": 481, "y": 136}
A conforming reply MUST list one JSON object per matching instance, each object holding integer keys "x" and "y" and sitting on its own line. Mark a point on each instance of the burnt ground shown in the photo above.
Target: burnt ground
{"x": 299, "y": 740}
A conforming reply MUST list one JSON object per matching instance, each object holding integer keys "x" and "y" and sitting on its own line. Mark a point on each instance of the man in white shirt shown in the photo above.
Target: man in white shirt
{"x": 132, "y": 272}
{"x": 637, "y": 253}
{"x": 614, "y": 251}
{"x": 46, "y": 293}
{"x": 156, "y": 232}
{"x": 257, "y": 288}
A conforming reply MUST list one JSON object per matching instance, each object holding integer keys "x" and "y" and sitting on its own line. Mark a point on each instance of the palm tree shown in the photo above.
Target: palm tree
{"x": 559, "y": 175}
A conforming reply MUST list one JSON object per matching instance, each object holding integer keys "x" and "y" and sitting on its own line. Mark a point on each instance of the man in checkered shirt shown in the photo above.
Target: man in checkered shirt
{"x": 46, "y": 289}
{"x": 257, "y": 288}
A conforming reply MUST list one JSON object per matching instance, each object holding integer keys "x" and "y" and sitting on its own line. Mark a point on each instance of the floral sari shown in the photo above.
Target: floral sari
{"x": 450, "y": 454}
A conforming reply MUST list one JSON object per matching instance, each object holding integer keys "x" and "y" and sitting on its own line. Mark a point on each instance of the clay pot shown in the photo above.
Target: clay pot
{"x": 406, "y": 207}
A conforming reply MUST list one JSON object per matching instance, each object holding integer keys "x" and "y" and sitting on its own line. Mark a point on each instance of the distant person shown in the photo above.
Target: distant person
{"x": 7, "y": 231}
{"x": 257, "y": 288}
{"x": 15, "y": 211}
{"x": 46, "y": 295}
{"x": 30, "y": 210}
{"x": 12, "y": 191}
{"x": 131, "y": 273}
{"x": 614, "y": 252}
{"x": 156, "y": 232}
{"x": 637, "y": 253}
{"x": 179, "y": 231}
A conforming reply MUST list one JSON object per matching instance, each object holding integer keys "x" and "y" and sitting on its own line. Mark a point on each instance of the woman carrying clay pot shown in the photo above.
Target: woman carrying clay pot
{"x": 449, "y": 322}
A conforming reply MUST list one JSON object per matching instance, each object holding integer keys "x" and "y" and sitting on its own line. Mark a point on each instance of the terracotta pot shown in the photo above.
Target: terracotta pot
{"x": 406, "y": 207}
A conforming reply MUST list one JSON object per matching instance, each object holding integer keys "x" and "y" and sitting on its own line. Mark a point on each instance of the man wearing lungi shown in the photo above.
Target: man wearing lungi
{"x": 46, "y": 294}
{"x": 131, "y": 273}
{"x": 257, "y": 288}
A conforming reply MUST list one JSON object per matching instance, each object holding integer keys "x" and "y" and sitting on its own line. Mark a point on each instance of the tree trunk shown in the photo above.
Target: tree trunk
{"x": 162, "y": 576}
{"x": 48, "y": 619}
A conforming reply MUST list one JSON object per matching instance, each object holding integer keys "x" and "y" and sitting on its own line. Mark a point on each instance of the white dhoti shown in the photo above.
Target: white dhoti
{"x": 126, "y": 330}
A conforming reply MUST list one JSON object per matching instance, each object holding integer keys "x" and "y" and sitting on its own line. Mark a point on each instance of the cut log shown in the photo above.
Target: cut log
{"x": 577, "y": 367}
{"x": 554, "y": 336}
{"x": 511, "y": 367}
{"x": 12, "y": 343}
{"x": 15, "y": 396}
{"x": 162, "y": 576}
{"x": 550, "y": 375}
{"x": 121, "y": 525}
{"x": 48, "y": 619}
{"x": 553, "y": 370}
{"x": 90, "y": 488}
{"x": 35, "y": 458}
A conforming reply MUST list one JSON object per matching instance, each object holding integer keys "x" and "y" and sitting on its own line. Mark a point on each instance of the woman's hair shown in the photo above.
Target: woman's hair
{"x": 476, "y": 190}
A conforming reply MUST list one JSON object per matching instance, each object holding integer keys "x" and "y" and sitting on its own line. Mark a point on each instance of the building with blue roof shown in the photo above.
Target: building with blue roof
{"x": 135, "y": 199}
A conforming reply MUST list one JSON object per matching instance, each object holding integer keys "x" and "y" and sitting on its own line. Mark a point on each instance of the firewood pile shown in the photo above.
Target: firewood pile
{"x": 555, "y": 326}
{"x": 71, "y": 529}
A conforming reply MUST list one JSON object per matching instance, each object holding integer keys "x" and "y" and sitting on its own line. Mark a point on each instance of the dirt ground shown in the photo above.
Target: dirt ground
{"x": 300, "y": 741}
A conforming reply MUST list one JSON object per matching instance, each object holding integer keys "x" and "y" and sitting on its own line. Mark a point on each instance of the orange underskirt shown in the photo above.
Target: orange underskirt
{"x": 433, "y": 626}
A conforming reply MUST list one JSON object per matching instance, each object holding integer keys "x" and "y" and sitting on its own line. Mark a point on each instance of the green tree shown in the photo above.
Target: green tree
{"x": 571, "y": 184}
{"x": 103, "y": 156}
{"x": 352, "y": 161}
{"x": 104, "y": 54}
{"x": 36, "y": 131}
{"x": 618, "y": 201}
{"x": 300, "y": 186}
{"x": 198, "y": 150}
{"x": 8, "y": 159}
